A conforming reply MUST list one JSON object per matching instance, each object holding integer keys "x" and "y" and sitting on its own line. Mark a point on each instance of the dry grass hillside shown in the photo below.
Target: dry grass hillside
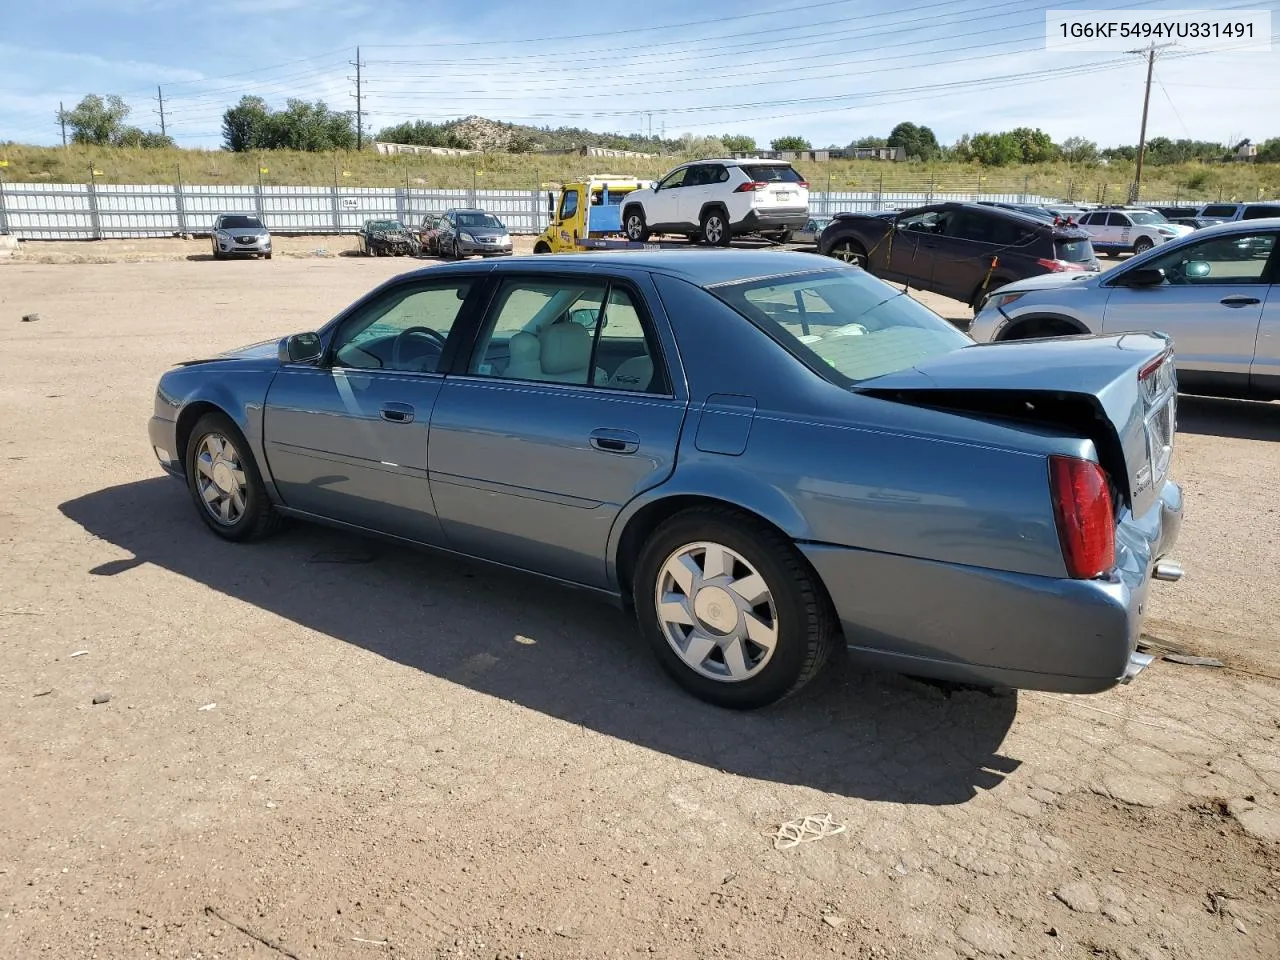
{"x": 499, "y": 170}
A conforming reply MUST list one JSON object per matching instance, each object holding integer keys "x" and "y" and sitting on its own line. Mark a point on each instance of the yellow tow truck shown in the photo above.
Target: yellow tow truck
{"x": 587, "y": 215}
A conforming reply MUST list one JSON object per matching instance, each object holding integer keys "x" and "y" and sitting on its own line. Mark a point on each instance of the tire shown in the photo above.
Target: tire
{"x": 694, "y": 237}
{"x": 850, "y": 251}
{"x": 251, "y": 515}
{"x": 541, "y": 247}
{"x": 782, "y": 237}
{"x": 635, "y": 226}
{"x": 1142, "y": 245}
{"x": 715, "y": 228}
{"x": 268, "y": 256}
{"x": 217, "y": 254}
{"x": 795, "y": 613}
{"x": 456, "y": 253}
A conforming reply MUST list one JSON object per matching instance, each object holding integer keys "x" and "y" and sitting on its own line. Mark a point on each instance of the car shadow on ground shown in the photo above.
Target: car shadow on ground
{"x": 567, "y": 655}
{"x": 1237, "y": 419}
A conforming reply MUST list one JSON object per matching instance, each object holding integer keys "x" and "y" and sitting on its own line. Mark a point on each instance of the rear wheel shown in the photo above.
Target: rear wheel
{"x": 731, "y": 609}
{"x": 634, "y": 225}
{"x": 694, "y": 237}
{"x": 1142, "y": 245}
{"x": 715, "y": 228}
{"x": 224, "y": 481}
{"x": 850, "y": 251}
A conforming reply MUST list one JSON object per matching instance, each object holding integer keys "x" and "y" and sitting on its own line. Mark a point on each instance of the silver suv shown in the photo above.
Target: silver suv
{"x": 1215, "y": 291}
{"x": 240, "y": 234}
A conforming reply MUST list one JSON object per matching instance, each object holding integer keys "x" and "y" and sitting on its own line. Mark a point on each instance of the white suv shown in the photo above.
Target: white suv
{"x": 717, "y": 200}
{"x": 1133, "y": 229}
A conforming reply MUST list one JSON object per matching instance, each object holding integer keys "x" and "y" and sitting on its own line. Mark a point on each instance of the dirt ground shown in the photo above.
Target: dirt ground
{"x": 322, "y": 746}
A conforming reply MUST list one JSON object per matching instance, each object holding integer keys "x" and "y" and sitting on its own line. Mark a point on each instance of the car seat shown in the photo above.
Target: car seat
{"x": 559, "y": 353}
{"x": 633, "y": 374}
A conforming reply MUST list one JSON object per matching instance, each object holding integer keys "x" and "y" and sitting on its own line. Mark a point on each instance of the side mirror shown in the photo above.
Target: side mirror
{"x": 1146, "y": 277}
{"x": 551, "y": 205}
{"x": 300, "y": 348}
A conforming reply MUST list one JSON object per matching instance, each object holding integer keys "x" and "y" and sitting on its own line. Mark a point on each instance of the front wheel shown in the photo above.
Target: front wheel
{"x": 715, "y": 228}
{"x": 542, "y": 247}
{"x": 1142, "y": 245}
{"x": 224, "y": 481}
{"x": 733, "y": 612}
{"x": 634, "y": 226}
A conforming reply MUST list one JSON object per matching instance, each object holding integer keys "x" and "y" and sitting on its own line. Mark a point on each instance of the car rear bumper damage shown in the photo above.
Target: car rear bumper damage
{"x": 994, "y": 628}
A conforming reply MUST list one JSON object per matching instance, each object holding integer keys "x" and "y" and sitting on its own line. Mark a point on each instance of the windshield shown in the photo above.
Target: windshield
{"x": 241, "y": 223}
{"x": 844, "y": 324}
{"x": 1147, "y": 217}
{"x": 385, "y": 225}
{"x": 478, "y": 220}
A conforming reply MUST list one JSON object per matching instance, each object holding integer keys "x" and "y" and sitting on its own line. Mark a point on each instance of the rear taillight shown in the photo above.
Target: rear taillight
{"x": 1083, "y": 511}
{"x": 802, "y": 184}
{"x": 751, "y": 186}
{"x": 1059, "y": 266}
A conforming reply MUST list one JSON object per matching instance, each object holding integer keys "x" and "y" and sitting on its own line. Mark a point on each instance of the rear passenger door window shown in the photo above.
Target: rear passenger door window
{"x": 582, "y": 332}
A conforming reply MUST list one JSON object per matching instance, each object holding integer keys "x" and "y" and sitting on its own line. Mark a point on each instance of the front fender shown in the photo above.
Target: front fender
{"x": 237, "y": 390}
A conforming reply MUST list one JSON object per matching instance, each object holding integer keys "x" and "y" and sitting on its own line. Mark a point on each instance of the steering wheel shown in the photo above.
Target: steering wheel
{"x": 434, "y": 335}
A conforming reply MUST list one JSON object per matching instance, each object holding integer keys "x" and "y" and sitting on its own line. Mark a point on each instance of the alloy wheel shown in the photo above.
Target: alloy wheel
{"x": 716, "y": 611}
{"x": 849, "y": 253}
{"x": 221, "y": 480}
{"x": 714, "y": 231}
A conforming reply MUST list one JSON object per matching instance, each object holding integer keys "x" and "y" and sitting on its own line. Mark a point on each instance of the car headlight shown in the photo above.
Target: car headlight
{"x": 467, "y": 237}
{"x": 1002, "y": 300}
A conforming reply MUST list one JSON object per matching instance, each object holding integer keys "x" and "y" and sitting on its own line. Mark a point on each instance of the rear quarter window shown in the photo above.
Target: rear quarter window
{"x": 1259, "y": 212}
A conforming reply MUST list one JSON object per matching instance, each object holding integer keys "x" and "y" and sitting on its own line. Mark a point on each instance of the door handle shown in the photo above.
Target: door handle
{"x": 397, "y": 412}
{"x": 615, "y": 441}
{"x": 1239, "y": 301}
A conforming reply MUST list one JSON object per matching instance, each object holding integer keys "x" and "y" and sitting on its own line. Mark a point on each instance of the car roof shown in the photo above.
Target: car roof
{"x": 1238, "y": 226}
{"x": 734, "y": 161}
{"x": 699, "y": 265}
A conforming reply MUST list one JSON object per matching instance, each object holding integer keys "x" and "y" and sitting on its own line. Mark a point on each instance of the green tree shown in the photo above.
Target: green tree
{"x": 96, "y": 120}
{"x": 873, "y": 142}
{"x": 995, "y": 149}
{"x": 791, "y": 143}
{"x": 1269, "y": 151}
{"x": 738, "y": 143}
{"x": 1078, "y": 150}
{"x": 424, "y": 134}
{"x": 244, "y": 125}
{"x": 918, "y": 142}
{"x": 1120, "y": 153}
{"x": 1034, "y": 146}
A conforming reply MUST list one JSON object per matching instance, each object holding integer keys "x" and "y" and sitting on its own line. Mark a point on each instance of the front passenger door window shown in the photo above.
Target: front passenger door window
{"x": 404, "y": 330}
{"x": 1238, "y": 259}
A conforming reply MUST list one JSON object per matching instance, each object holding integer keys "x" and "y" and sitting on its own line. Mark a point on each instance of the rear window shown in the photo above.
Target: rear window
{"x": 1258, "y": 213}
{"x": 772, "y": 173}
{"x": 1073, "y": 251}
{"x": 1221, "y": 210}
{"x": 843, "y": 324}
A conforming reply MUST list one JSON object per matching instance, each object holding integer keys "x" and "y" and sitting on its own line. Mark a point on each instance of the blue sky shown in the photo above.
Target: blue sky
{"x": 831, "y": 70}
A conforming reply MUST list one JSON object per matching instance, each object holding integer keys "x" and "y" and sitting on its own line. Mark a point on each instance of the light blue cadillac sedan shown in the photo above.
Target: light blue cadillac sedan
{"x": 765, "y": 455}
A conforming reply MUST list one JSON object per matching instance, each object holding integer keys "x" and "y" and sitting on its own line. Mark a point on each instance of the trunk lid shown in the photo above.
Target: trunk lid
{"x": 1119, "y": 391}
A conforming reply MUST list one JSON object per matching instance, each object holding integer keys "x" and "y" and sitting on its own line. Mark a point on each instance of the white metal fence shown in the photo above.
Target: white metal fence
{"x": 78, "y": 211}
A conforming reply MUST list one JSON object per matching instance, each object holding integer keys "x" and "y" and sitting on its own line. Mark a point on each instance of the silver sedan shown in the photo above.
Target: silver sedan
{"x": 1215, "y": 292}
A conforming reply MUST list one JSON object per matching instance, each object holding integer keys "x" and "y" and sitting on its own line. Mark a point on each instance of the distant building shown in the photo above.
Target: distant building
{"x": 1245, "y": 151}
{"x": 394, "y": 148}
{"x": 894, "y": 154}
{"x": 598, "y": 152}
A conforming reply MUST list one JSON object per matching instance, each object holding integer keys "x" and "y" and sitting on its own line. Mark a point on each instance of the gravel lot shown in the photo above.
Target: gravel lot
{"x": 322, "y": 746}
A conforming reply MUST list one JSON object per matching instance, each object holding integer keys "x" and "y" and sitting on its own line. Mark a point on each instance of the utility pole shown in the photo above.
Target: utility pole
{"x": 160, "y": 100}
{"x": 1146, "y": 103}
{"x": 62, "y": 120}
{"x": 359, "y": 101}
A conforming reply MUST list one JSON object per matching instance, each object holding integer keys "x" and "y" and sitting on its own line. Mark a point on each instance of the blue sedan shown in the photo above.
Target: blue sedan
{"x": 767, "y": 456}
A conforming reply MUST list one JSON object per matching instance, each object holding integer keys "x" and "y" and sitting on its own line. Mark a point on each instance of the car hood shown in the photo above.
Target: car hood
{"x": 262, "y": 350}
{"x": 1049, "y": 281}
{"x": 494, "y": 232}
